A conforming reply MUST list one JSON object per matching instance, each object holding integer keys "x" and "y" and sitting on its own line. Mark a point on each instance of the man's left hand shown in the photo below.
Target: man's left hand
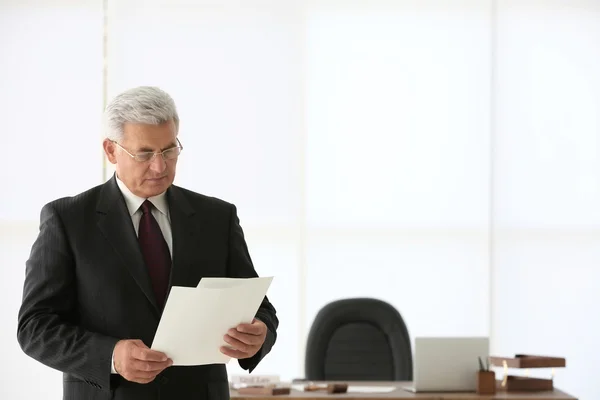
{"x": 245, "y": 340}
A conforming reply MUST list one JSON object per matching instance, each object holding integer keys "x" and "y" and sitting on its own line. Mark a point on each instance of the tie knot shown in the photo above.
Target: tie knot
{"x": 146, "y": 207}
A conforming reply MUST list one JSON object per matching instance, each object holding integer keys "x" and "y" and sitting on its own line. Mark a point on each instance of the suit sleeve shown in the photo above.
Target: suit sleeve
{"x": 240, "y": 266}
{"x": 47, "y": 322}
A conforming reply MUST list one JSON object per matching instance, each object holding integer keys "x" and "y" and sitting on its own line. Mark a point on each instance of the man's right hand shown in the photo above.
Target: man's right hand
{"x": 136, "y": 362}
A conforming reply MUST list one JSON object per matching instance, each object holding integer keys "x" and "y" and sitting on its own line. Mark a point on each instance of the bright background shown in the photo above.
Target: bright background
{"x": 440, "y": 155}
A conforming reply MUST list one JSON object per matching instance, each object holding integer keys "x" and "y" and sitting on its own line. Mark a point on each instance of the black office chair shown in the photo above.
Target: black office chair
{"x": 358, "y": 339}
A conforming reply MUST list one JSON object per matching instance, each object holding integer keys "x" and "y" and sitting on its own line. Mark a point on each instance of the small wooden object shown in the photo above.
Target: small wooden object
{"x": 528, "y": 361}
{"x": 265, "y": 390}
{"x": 486, "y": 382}
{"x": 525, "y": 361}
{"x": 523, "y": 383}
{"x": 330, "y": 388}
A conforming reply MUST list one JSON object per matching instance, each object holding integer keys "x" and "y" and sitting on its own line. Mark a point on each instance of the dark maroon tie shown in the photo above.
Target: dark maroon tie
{"x": 155, "y": 252}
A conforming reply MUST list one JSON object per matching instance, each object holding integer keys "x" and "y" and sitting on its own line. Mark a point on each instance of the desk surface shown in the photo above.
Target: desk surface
{"x": 400, "y": 393}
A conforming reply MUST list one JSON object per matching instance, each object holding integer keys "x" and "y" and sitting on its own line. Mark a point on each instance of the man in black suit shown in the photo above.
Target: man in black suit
{"x": 101, "y": 268}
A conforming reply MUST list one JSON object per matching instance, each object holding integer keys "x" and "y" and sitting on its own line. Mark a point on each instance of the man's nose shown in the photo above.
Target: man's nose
{"x": 158, "y": 164}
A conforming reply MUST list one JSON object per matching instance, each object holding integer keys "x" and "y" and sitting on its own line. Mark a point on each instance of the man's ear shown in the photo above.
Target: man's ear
{"x": 110, "y": 150}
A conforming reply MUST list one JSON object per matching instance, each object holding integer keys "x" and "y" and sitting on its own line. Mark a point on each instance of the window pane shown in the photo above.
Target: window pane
{"x": 398, "y": 114}
{"x": 547, "y": 192}
{"x": 51, "y": 99}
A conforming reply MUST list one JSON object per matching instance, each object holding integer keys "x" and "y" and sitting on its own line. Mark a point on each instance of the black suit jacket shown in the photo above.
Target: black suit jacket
{"x": 86, "y": 287}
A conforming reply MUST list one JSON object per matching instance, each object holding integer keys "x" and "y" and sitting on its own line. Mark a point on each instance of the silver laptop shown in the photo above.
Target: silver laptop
{"x": 447, "y": 364}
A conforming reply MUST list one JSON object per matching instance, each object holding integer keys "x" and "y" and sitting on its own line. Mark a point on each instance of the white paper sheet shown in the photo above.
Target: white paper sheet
{"x": 371, "y": 389}
{"x": 222, "y": 283}
{"x": 195, "y": 320}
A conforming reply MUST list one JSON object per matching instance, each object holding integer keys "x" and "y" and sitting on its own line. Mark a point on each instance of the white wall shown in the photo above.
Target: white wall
{"x": 50, "y": 104}
{"x": 438, "y": 155}
{"x": 398, "y": 104}
{"x": 50, "y": 98}
{"x": 546, "y": 265}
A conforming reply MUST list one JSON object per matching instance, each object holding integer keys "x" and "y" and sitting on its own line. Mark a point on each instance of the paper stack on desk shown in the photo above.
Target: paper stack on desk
{"x": 195, "y": 320}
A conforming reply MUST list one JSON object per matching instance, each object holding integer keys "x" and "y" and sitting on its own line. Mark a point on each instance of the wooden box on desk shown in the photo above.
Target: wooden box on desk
{"x": 523, "y": 383}
{"x": 523, "y": 361}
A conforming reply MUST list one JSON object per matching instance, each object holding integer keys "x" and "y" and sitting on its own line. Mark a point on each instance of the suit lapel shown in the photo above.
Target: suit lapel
{"x": 115, "y": 224}
{"x": 182, "y": 226}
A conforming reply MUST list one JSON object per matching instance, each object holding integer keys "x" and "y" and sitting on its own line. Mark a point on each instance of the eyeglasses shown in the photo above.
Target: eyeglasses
{"x": 168, "y": 154}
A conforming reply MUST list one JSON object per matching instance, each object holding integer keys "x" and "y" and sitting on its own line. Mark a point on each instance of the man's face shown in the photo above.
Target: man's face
{"x": 150, "y": 178}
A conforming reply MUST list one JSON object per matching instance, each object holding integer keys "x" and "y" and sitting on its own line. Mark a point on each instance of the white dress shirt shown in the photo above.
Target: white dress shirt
{"x": 160, "y": 211}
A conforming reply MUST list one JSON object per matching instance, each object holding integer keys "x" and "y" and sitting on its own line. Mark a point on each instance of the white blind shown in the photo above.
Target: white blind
{"x": 547, "y": 185}
{"x": 50, "y": 102}
{"x": 398, "y": 107}
{"x": 50, "y": 107}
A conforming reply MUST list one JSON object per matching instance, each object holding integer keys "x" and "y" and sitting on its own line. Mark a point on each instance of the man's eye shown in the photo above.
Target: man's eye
{"x": 144, "y": 156}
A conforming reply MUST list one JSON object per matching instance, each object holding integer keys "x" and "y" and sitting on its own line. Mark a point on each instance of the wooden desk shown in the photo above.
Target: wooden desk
{"x": 400, "y": 393}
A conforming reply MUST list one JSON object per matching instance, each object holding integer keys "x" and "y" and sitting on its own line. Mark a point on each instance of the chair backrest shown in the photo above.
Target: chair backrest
{"x": 358, "y": 339}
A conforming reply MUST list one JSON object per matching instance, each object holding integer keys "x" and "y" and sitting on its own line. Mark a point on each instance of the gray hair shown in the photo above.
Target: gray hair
{"x": 141, "y": 105}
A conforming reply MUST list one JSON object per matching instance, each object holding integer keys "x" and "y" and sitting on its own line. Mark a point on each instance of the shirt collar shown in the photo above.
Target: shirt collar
{"x": 134, "y": 202}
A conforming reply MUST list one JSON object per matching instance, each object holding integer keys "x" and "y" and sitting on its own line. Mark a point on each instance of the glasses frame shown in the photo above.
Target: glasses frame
{"x": 154, "y": 153}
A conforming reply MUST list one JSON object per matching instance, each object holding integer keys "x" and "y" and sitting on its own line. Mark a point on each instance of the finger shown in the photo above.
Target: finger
{"x": 143, "y": 375}
{"x": 138, "y": 374}
{"x": 234, "y": 353}
{"x": 139, "y": 343}
{"x": 238, "y": 345}
{"x": 257, "y": 328}
{"x": 150, "y": 366}
{"x": 246, "y": 338}
{"x": 146, "y": 354}
{"x": 134, "y": 375}
{"x": 143, "y": 380}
